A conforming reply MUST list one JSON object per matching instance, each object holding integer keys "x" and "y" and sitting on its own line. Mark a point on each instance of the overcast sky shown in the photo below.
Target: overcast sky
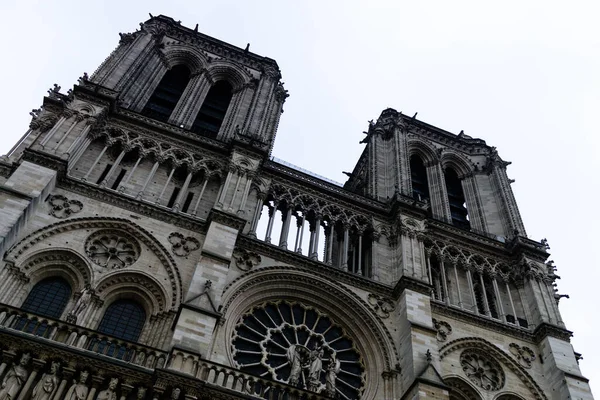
{"x": 521, "y": 75}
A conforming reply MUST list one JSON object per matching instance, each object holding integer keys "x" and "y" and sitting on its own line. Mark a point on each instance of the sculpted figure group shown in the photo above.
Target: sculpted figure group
{"x": 311, "y": 361}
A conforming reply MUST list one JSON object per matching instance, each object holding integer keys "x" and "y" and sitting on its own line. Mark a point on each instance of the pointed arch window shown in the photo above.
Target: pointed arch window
{"x": 48, "y": 297}
{"x": 123, "y": 319}
{"x": 418, "y": 177}
{"x": 167, "y": 93}
{"x": 213, "y": 110}
{"x": 456, "y": 198}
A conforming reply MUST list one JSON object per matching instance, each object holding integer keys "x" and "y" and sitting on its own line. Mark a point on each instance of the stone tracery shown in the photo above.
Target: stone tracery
{"x": 112, "y": 249}
{"x": 298, "y": 344}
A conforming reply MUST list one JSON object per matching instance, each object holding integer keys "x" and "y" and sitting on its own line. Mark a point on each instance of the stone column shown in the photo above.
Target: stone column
{"x": 345, "y": 248}
{"x": 114, "y": 167}
{"x": 272, "y": 211}
{"x": 300, "y": 233}
{"x": 460, "y": 302}
{"x": 360, "y": 237}
{"x": 195, "y": 211}
{"x": 165, "y": 185}
{"x": 140, "y": 195}
{"x": 260, "y": 202}
{"x": 67, "y": 374}
{"x": 37, "y": 365}
{"x": 498, "y": 300}
{"x": 53, "y": 131}
{"x": 234, "y": 195}
{"x": 130, "y": 174}
{"x": 183, "y": 191}
{"x": 81, "y": 137}
{"x": 64, "y": 136}
{"x": 315, "y": 239}
{"x": 446, "y": 296}
{"x": 486, "y": 305}
{"x": 86, "y": 176}
{"x": 286, "y": 227}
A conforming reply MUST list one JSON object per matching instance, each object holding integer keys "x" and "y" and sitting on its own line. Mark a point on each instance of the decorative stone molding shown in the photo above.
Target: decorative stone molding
{"x": 181, "y": 245}
{"x": 62, "y": 207}
{"x": 524, "y": 355}
{"x": 443, "y": 330}
{"x": 382, "y": 306}
{"x": 483, "y": 370}
{"x": 246, "y": 260}
{"x": 112, "y": 249}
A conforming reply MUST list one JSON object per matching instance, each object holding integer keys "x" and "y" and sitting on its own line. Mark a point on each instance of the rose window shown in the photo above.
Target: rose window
{"x": 299, "y": 345}
{"x": 482, "y": 370}
{"x": 112, "y": 249}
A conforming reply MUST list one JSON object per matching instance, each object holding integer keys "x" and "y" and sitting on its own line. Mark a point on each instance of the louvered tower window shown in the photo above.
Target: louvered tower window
{"x": 211, "y": 115}
{"x": 48, "y": 297}
{"x": 418, "y": 177}
{"x": 167, "y": 93}
{"x": 456, "y": 198}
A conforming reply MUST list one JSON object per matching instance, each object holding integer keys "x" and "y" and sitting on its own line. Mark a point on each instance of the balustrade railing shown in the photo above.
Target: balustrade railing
{"x": 15, "y": 319}
{"x": 233, "y": 379}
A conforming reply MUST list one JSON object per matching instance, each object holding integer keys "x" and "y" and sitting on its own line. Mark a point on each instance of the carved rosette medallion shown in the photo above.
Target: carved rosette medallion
{"x": 524, "y": 355}
{"x": 182, "y": 245}
{"x": 246, "y": 260}
{"x": 299, "y": 345}
{"x": 482, "y": 370}
{"x": 443, "y": 330}
{"x": 61, "y": 207}
{"x": 112, "y": 249}
{"x": 382, "y": 306}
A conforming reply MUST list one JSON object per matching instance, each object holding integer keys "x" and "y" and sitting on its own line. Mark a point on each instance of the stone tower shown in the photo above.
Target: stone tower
{"x": 152, "y": 249}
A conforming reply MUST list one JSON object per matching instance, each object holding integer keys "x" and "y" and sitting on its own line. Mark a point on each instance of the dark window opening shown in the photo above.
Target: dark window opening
{"x": 456, "y": 198}
{"x": 166, "y": 95}
{"x": 104, "y": 173}
{"x": 123, "y": 319}
{"x": 48, "y": 297}
{"x": 115, "y": 185}
{"x": 188, "y": 201}
{"x": 212, "y": 113}
{"x": 418, "y": 176}
{"x": 173, "y": 197}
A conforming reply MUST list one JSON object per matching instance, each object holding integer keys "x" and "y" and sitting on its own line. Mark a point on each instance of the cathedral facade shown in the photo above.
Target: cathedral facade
{"x": 151, "y": 248}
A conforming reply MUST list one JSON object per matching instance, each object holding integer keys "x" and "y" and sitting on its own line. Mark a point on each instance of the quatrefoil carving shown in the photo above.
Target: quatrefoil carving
{"x": 62, "y": 207}
{"x": 183, "y": 245}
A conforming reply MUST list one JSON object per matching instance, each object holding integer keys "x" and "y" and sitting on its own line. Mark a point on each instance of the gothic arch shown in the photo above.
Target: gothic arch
{"x": 502, "y": 357}
{"x": 177, "y": 54}
{"x": 121, "y": 224}
{"x": 461, "y": 389}
{"x": 460, "y": 164}
{"x": 228, "y": 71}
{"x": 508, "y": 396}
{"x": 369, "y": 334}
{"x": 62, "y": 262}
{"x": 424, "y": 150}
{"x": 135, "y": 285}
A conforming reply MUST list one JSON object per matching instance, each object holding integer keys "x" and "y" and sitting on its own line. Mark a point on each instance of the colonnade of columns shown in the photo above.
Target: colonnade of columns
{"x": 342, "y": 245}
{"x": 473, "y": 291}
{"x": 185, "y": 200}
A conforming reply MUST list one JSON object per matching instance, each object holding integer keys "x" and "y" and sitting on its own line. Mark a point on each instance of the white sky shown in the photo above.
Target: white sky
{"x": 521, "y": 75}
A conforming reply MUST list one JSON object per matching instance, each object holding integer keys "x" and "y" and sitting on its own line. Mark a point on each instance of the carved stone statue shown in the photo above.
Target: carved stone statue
{"x": 82, "y": 303}
{"x": 109, "y": 394}
{"x": 45, "y": 388}
{"x": 295, "y": 355}
{"x": 15, "y": 378}
{"x": 314, "y": 369}
{"x": 79, "y": 390}
{"x": 141, "y": 393}
{"x": 332, "y": 370}
{"x": 175, "y": 393}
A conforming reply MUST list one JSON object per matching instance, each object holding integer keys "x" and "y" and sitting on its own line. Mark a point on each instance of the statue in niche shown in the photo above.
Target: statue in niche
{"x": 175, "y": 393}
{"x": 81, "y": 305}
{"x": 79, "y": 390}
{"x": 141, "y": 393}
{"x": 315, "y": 365}
{"x": 15, "y": 378}
{"x": 45, "y": 388}
{"x": 333, "y": 369}
{"x": 296, "y": 355}
{"x": 109, "y": 393}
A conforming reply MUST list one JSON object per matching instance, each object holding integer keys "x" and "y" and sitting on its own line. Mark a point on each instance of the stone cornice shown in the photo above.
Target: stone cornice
{"x": 323, "y": 186}
{"x": 528, "y": 247}
{"x": 415, "y": 285}
{"x": 225, "y": 218}
{"x": 212, "y": 45}
{"x": 289, "y": 257}
{"x": 478, "y": 320}
{"x": 450, "y": 233}
{"x": 544, "y": 330}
